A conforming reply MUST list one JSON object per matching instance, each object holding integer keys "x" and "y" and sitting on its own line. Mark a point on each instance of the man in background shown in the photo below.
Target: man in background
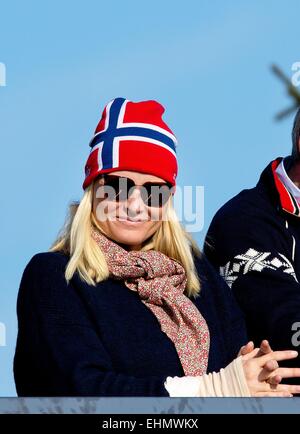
{"x": 254, "y": 242}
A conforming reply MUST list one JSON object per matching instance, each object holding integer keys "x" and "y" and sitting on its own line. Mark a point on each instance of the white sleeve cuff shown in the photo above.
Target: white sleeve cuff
{"x": 229, "y": 382}
{"x": 182, "y": 386}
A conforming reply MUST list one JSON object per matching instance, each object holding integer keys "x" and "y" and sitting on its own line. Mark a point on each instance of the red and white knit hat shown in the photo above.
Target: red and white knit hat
{"x": 132, "y": 136}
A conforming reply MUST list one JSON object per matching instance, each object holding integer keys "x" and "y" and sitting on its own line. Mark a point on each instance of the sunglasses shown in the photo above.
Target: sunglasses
{"x": 120, "y": 188}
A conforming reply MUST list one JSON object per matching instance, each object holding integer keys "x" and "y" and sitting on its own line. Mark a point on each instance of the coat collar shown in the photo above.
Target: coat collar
{"x": 279, "y": 193}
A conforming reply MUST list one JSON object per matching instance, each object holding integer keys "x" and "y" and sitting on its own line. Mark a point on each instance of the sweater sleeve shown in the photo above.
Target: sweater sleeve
{"x": 59, "y": 352}
{"x": 254, "y": 254}
{"x": 229, "y": 321}
{"x": 229, "y": 382}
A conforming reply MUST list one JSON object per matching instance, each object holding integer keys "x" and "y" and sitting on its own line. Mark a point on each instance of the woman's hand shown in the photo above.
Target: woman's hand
{"x": 263, "y": 373}
{"x": 263, "y": 349}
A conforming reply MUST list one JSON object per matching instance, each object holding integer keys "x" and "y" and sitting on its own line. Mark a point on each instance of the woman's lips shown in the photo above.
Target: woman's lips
{"x": 129, "y": 221}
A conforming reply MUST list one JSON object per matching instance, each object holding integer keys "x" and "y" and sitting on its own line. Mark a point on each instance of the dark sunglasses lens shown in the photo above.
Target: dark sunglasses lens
{"x": 157, "y": 194}
{"x": 120, "y": 187}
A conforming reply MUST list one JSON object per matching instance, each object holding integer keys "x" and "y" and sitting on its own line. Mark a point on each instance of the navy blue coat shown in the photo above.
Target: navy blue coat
{"x": 81, "y": 340}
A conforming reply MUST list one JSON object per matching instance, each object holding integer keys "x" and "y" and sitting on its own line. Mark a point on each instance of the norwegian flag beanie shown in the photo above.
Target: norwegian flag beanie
{"x": 132, "y": 136}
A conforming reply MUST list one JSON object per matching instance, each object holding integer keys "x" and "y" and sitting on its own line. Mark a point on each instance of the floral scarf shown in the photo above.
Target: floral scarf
{"x": 160, "y": 282}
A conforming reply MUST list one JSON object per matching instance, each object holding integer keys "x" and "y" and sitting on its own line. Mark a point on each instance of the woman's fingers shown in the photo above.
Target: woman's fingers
{"x": 246, "y": 349}
{"x": 264, "y": 374}
{"x": 273, "y": 394}
{"x": 264, "y": 348}
{"x": 272, "y": 386}
{"x": 287, "y": 388}
{"x": 249, "y": 351}
{"x": 278, "y": 356}
{"x": 271, "y": 365}
{"x": 287, "y": 372}
{"x": 274, "y": 380}
{"x": 268, "y": 369}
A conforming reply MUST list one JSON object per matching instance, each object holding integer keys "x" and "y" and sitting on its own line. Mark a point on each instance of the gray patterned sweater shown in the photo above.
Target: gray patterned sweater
{"x": 254, "y": 242}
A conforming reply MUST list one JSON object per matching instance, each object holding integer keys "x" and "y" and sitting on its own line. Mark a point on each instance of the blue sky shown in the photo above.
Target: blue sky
{"x": 207, "y": 62}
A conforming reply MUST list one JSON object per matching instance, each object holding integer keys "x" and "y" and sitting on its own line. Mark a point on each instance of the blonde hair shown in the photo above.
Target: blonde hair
{"x": 87, "y": 258}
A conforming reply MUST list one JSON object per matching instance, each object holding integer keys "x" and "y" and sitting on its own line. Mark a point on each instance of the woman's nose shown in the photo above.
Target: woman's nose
{"x": 135, "y": 202}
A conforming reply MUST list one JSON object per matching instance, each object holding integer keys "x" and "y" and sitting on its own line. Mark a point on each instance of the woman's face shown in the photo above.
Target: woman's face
{"x": 128, "y": 222}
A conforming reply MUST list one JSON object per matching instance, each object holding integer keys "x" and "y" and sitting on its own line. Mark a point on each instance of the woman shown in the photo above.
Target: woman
{"x": 124, "y": 304}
